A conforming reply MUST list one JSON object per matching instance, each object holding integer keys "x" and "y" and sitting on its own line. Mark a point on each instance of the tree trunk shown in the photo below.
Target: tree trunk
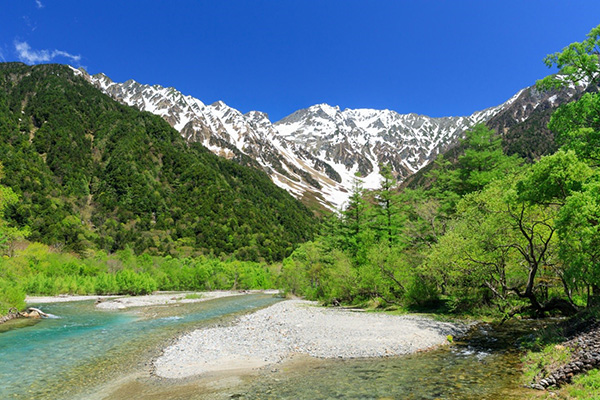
{"x": 594, "y": 296}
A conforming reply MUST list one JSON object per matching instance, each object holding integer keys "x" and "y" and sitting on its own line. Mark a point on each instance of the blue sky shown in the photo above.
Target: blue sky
{"x": 437, "y": 58}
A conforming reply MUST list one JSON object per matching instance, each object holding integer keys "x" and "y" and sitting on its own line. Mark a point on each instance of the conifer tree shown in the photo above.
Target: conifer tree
{"x": 387, "y": 218}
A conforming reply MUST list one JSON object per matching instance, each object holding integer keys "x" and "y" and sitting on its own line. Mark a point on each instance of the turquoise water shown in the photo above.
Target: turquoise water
{"x": 57, "y": 357}
{"x": 485, "y": 366}
{"x": 70, "y": 357}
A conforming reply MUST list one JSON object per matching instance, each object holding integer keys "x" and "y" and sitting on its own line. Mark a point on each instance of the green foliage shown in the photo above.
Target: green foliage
{"x": 92, "y": 173}
{"x": 554, "y": 178}
{"x": 361, "y": 254}
{"x": 133, "y": 283}
{"x": 578, "y": 62}
{"x": 586, "y": 386}
{"x": 10, "y": 296}
{"x": 577, "y": 126}
{"x": 483, "y": 161}
{"x": 354, "y": 223}
{"x": 388, "y": 218}
{"x": 579, "y": 232}
{"x": 39, "y": 270}
{"x": 8, "y": 234}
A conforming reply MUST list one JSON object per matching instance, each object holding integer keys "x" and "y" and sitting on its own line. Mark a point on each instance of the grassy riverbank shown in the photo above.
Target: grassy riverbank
{"x": 38, "y": 270}
{"x": 583, "y": 387}
{"x": 567, "y": 349}
{"x": 552, "y": 346}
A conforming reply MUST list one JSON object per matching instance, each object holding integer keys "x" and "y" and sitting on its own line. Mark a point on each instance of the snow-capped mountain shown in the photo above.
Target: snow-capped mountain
{"x": 316, "y": 153}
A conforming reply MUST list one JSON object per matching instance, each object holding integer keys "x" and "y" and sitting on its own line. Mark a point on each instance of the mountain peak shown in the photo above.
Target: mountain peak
{"x": 317, "y": 150}
{"x": 219, "y": 104}
{"x": 330, "y": 111}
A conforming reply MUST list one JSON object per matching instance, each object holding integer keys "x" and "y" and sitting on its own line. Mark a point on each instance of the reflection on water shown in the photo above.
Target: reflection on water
{"x": 72, "y": 357}
{"x": 17, "y": 324}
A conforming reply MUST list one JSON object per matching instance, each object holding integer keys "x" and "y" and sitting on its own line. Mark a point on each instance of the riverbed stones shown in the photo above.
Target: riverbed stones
{"x": 585, "y": 348}
{"x": 13, "y": 313}
{"x": 275, "y": 333}
{"x": 166, "y": 298}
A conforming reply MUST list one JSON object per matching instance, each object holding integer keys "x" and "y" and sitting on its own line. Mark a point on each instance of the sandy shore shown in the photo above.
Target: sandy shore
{"x": 293, "y": 327}
{"x": 157, "y": 299}
{"x": 61, "y": 298}
{"x": 169, "y": 298}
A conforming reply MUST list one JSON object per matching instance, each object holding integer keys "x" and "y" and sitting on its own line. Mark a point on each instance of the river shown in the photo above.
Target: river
{"x": 89, "y": 354}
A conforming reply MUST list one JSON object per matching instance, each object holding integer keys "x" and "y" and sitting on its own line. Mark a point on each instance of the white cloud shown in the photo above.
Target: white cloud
{"x": 2, "y": 56}
{"x": 30, "y": 56}
{"x": 39, "y": 4}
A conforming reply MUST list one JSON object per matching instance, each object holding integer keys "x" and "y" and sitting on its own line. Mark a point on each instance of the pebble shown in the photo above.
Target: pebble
{"x": 584, "y": 357}
{"x": 275, "y": 333}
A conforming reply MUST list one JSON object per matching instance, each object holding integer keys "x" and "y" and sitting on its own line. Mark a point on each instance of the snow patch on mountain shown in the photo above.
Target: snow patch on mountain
{"x": 315, "y": 153}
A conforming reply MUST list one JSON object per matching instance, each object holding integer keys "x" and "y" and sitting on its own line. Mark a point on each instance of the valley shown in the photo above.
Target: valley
{"x": 318, "y": 152}
{"x": 362, "y": 216}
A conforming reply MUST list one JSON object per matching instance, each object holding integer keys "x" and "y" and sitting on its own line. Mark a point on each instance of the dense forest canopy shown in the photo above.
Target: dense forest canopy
{"x": 91, "y": 173}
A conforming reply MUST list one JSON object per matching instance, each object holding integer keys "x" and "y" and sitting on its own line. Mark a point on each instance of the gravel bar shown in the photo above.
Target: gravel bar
{"x": 159, "y": 299}
{"x": 273, "y": 334}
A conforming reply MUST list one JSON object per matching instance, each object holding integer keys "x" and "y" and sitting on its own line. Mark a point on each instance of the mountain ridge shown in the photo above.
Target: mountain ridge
{"x": 320, "y": 151}
{"x": 92, "y": 173}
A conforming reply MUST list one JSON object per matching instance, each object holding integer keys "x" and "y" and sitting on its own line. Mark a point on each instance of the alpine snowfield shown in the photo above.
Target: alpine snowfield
{"x": 317, "y": 153}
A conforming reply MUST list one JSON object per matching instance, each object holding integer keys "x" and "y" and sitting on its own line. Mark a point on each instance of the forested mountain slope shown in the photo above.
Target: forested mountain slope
{"x": 522, "y": 125}
{"x": 315, "y": 153}
{"x": 91, "y": 172}
{"x": 319, "y": 152}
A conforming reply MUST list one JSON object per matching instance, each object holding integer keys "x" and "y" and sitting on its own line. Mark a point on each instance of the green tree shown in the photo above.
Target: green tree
{"x": 387, "y": 219}
{"x": 503, "y": 244}
{"x": 472, "y": 257}
{"x": 482, "y": 162}
{"x": 355, "y": 223}
{"x": 564, "y": 177}
{"x": 554, "y": 178}
{"x": 8, "y": 234}
{"x": 577, "y": 126}
{"x": 579, "y": 231}
{"x": 577, "y": 63}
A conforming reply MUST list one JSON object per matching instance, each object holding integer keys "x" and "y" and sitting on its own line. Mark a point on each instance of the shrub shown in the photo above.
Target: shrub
{"x": 10, "y": 296}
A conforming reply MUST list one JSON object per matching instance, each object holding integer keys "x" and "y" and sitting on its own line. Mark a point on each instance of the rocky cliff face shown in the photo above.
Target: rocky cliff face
{"x": 523, "y": 124}
{"x": 317, "y": 153}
